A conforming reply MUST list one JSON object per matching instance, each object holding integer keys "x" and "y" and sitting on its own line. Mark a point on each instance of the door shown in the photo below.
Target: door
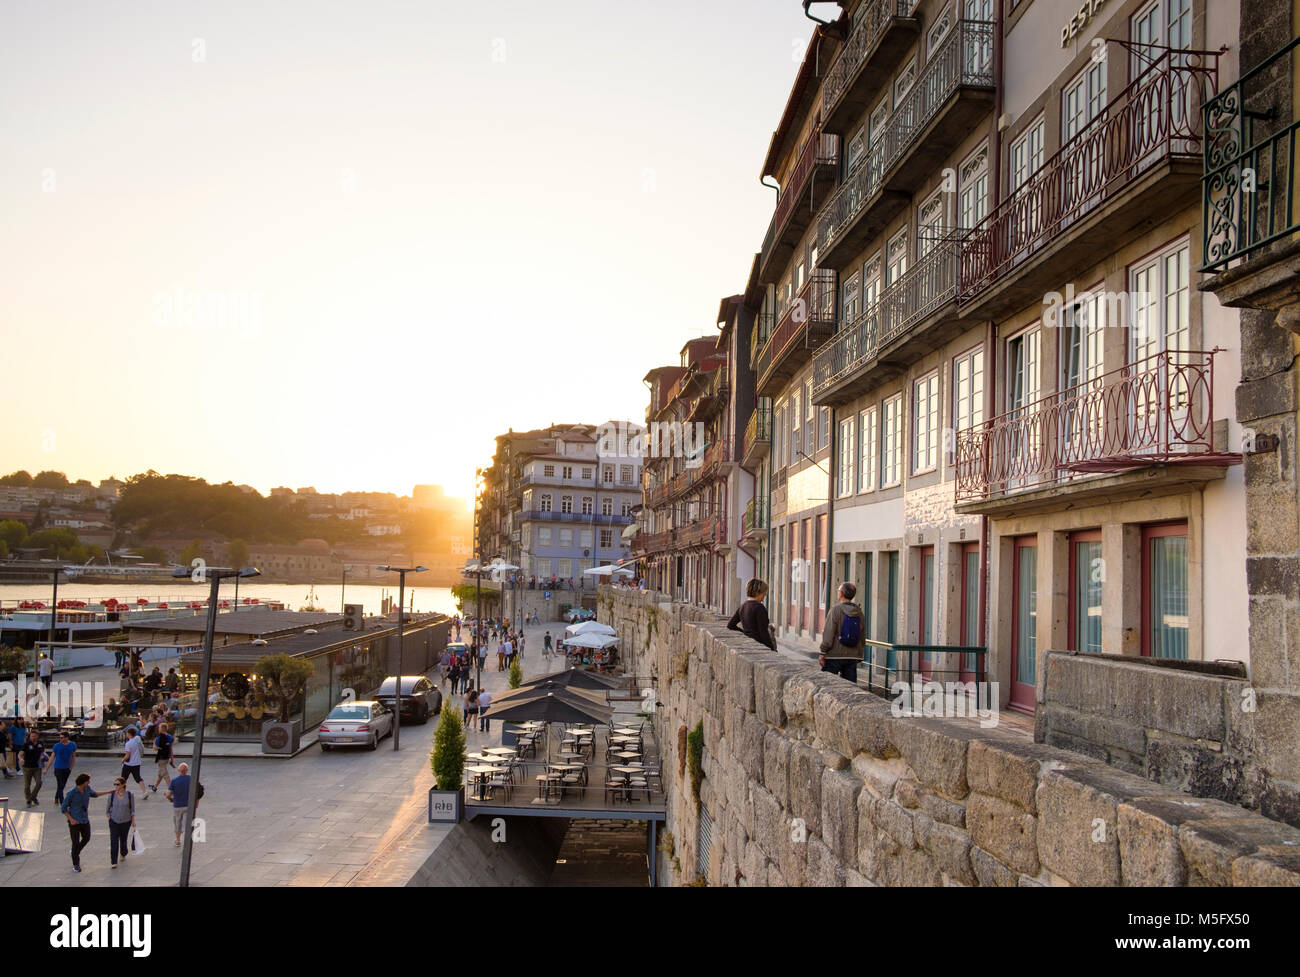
{"x": 891, "y": 614}
{"x": 1024, "y": 622}
{"x": 1165, "y": 591}
{"x": 926, "y": 606}
{"x": 971, "y": 668}
{"x": 1086, "y": 579}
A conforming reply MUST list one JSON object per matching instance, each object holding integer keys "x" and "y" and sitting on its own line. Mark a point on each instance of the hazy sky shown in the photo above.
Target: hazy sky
{"x": 345, "y": 244}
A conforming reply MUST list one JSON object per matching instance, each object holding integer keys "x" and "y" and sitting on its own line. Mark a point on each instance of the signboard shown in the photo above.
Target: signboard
{"x": 444, "y": 806}
{"x": 546, "y": 595}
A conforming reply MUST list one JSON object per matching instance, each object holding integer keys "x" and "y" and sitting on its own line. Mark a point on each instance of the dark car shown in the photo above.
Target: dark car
{"x": 420, "y": 697}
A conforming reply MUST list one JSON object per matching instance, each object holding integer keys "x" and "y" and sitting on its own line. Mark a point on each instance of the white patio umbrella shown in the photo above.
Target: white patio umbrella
{"x": 598, "y": 641}
{"x": 608, "y": 570}
{"x": 590, "y": 627}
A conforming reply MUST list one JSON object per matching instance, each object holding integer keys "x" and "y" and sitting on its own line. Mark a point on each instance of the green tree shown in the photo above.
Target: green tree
{"x": 4, "y": 550}
{"x": 516, "y": 674}
{"x": 448, "y": 756}
{"x": 152, "y": 554}
{"x": 191, "y": 553}
{"x": 50, "y": 479}
{"x": 13, "y": 532}
{"x": 59, "y": 543}
{"x": 286, "y": 677}
{"x": 237, "y": 553}
{"x": 465, "y": 595}
{"x": 20, "y": 478}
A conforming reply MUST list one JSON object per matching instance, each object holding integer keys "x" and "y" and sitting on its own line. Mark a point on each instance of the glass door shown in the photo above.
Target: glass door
{"x": 1164, "y": 591}
{"x": 1024, "y": 623}
{"x": 1086, "y": 579}
{"x": 925, "y": 606}
{"x": 970, "y": 610}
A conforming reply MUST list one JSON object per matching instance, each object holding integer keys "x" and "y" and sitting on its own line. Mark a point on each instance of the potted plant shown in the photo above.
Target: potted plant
{"x": 447, "y": 759}
{"x": 516, "y": 674}
{"x": 13, "y": 661}
{"x": 287, "y": 678}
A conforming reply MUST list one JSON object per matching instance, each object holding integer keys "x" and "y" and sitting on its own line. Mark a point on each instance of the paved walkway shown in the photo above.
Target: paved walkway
{"x": 339, "y": 818}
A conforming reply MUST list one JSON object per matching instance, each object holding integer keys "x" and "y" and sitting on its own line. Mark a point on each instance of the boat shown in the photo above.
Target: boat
{"x": 313, "y": 604}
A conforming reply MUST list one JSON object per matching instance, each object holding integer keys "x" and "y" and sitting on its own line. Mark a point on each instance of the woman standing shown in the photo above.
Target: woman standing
{"x": 121, "y": 819}
{"x": 751, "y": 616}
{"x": 471, "y": 706}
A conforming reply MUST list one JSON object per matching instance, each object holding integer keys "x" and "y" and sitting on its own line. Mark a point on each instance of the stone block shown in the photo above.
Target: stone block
{"x": 941, "y": 809}
{"x": 936, "y": 751}
{"x": 1192, "y": 767}
{"x": 774, "y": 877}
{"x": 740, "y": 687}
{"x": 907, "y": 793}
{"x": 1008, "y": 770}
{"x": 1277, "y": 739}
{"x": 1078, "y": 822}
{"x": 948, "y": 846}
{"x": 770, "y": 828}
{"x": 750, "y": 750}
{"x": 1005, "y": 831}
{"x": 824, "y": 869}
{"x": 989, "y": 871}
{"x": 1211, "y": 846}
{"x": 797, "y": 697}
{"x": 839, "y": 816}
{"x": 776, "y": 766}
{"x": 770, "y": 680}
{"x": 842, "y": 719}
{"x": 1149, "y": 852}
{"x": 877, "y": 775}
{"x": 1272, "y": 865}
{"x": 895, "y": 821}
{"x": 805, "y": 786}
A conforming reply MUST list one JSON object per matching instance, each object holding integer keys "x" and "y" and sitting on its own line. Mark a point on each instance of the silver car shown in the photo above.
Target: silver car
{"x": 362, "y": 723}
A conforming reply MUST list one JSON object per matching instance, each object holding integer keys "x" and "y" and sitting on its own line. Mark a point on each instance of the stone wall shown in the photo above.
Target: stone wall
{"x": 811, "y": 781}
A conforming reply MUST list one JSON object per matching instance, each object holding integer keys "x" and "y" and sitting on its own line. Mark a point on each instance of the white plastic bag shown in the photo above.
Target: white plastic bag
{"x": 137, "y": 843}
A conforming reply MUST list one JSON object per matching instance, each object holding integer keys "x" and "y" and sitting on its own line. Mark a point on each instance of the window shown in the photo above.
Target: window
{"x": 824, "y": 428}
{"x": 546, "y": 502}
{"x": 584, "y": 539}
{"x": 606, "y": 539}
{"x": 968, "y": 390}
{"x": 607, "y": 507}
{"x": 586, "y": 505}
{"x": 1164, "y": 591}
{"x": 931, "y": 224}
{"x": 1024, "y": 622}
{"x": 870, "y": 281}
{"x": 1086, "y": 578}
{"x": 973, "y": 189}
{"x": 564, "y": 568}
{"x": 1161, "y": 300}
{"x": 903, "y": 82}
{"x": 1083, "y": 99}
{"x": 566, "y": 503}
{"x": 796, "y": 442}
{"x": 891, "y": 448}
{"x": 850, "y": 294}
{"x": 939, "y": 30}
{"x": 857, "y": 148}
{"x": 1027, "y": 154}
{"x": 544, "y": 536}
{"x": 626, "y": 473}
{"x": 844, "y": 448}
{"x": 925, "y": 424}
{"x": 566, "y": 538}
{"x": 586, "y": 474}
{"x": 810, "y": 418}
{"x": 896, "y": 257}
{"x": 891, "y": 604}
{"x": 867, "y": 422}
{"x": 607, "y": 474}
{"x": 625, "y": 509}
{"x": 548, "y": 471}
{"x": 566, "y": 472}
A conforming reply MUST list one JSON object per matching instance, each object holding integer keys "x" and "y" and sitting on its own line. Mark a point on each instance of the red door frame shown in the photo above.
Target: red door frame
{"x": 922, "y": 554}
{"x": 1082, "y": 536}
{"x": 1149, "y": 533}
{"x": 968, "y": 673}
{"x": 809, "y": 571}
{"x": 1022, "y": 694}
{"x": 821, "y": 553}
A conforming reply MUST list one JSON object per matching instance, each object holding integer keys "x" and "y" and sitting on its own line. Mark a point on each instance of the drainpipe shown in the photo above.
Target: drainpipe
{"x": 830, "y": 509}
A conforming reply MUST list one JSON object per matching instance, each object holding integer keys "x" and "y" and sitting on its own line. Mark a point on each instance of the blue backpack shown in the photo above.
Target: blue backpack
{"x": 850, "y": 631}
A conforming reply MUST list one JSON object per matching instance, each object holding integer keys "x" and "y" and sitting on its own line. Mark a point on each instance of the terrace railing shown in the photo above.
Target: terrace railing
{"x": 871, "y": 24}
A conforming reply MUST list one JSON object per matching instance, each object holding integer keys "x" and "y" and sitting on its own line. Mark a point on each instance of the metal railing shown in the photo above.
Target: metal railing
{"x": 920, "y": 291}
{"x": 872, "y": 21}
{"x": 600, "y": 519}
{"x": 814, "y": 305}
{"x": 759, "y": 428}
{"x": 1147, "y": 412}
{"x": 1248, "y": 181}
{"x": 1156, "y": 116}
{"x": 755, "y": 518}
{"x": 964, "y": 58}
{"x": 886, "y": 663}
{"x": 820, "y": 149}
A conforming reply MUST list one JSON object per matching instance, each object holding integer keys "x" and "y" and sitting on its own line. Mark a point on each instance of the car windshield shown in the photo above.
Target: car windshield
{"x": 408, "y": 685}
{"x": 349, "y": 713}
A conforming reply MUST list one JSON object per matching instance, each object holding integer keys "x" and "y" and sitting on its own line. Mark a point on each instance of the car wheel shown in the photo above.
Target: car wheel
{"x": 424, "y": 714}
{"x": 374, "y": 742}
{"x": 324, "y": 747}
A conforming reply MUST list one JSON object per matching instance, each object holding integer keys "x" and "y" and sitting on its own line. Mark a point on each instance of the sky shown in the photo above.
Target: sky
{"x": 341, "y": 244}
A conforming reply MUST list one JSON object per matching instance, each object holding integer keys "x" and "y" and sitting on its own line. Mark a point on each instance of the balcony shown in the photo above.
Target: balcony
{"x": 915, "y": 314}
{"x": 650, "y": 543}
{"x": 758, "y": 438}
{"x": 807, "y": 187}
{"x": 873, "y": 49}
{"x": 1157, "y": 413}
{"x": 803, "y": 327}
{"x": 954, "y": 90}
{"x": 1136, "y": 162}
{"x": 758, "y": 337}
{"x": 753, "y": 524}
{"x": 1247, "y": 133}
{"x": 550, "y": 515}
{"x": 712, "y": 399}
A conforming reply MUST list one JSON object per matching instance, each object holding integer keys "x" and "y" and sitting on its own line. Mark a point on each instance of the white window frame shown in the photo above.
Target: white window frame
{"x": 926, "y": 411}
{"x": 904, "y": 81}
{"x": 897, "y": 258}
{"x": 939, "y": 29}
{"x": 845, "y": 449}
{"x": 868, "y": 447}
{"x": 1153, "y": 305}
{"x": 891, "y": 441}
{"x": 973, "y": 189}
{"x": 1026, "y": 154}
{"x": 968, "y": 389}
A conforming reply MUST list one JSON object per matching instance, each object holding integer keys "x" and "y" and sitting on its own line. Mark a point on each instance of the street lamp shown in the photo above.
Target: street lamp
{"x": 343, "y": 592}
{"x": 214, "y": 576}
{"x": 401, "y": 619}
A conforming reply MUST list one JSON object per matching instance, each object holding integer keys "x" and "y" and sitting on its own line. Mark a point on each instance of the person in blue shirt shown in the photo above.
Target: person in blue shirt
{"x": 178, "y": 792}
{"x": 76, "y": 808}
{"x": 62, "y": 758}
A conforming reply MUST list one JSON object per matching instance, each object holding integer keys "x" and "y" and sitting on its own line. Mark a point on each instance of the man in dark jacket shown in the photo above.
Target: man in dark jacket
{"x": 843, "y": 638}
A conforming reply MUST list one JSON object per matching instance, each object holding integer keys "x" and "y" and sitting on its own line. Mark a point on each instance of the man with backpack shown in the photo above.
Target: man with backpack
{"x": 842, "y": 640}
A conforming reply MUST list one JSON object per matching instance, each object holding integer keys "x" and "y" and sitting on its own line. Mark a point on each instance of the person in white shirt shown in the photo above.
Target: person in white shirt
{"x": 133, "y": 757}
{"x": 484, "y": 700}
{"x": 45, "y": 665}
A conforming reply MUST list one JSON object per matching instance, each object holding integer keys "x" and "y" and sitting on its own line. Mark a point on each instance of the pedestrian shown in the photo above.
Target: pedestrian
{"x": 471, "y": 706}
{"x": 133, "y": 756}
{"x": 504, "y": 654}
{"x": 17, "y": 740}
{"x": 444, "y": 663}
{"x": 842, "y": 639}
{"x": 751, "y": 616}
{"x": 484, "y": 701}
{"x": 76, "y": 808}
{"x": 118, "y": 656}
{"x": 163, "y": 757}
{"x": 172, "y": 682}
{"x": 121, "y": 819}
{"x": 482, "y": 658}
{"x": 63, "y": 757}
{"x": 546, "y": 645}
{"x": 31, "y": 756}
{"x": 45, "y": 665}
{"x": 178, "y": 792}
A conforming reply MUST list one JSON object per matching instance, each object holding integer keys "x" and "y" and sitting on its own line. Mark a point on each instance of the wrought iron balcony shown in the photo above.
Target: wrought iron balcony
{"x": 597, "y": 519}
{"x": 753, "y": 524}
{"x": 758, "y": 337}
{"x": 758, "y": 437}
{"x": 712, "y": 399}
{"x": 879, "y": 39}
{"x": 1248, "y": 181}
{"x": 1139, "y": 159}
{"x": 955, "y": 88}
{"x": 1156, "y": 411}
{"x": 803, "y": 327}
{"x": 809, "y": 183}
{"x": 925, "y": 294}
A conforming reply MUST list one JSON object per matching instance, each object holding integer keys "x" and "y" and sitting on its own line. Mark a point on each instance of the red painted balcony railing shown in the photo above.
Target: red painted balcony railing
{"x": 820, "y": 149}
{"x": 1156, "y": 116}
{"x": 815, "y": 303}
{"x": 1154, "y": 411}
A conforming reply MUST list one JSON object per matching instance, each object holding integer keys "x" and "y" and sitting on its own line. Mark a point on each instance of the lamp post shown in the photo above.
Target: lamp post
{"x": 54, "y": 619}
{"x": 401, "y": 620}
{"x": 343, "y": 592}
{"x": 214, "y": 576}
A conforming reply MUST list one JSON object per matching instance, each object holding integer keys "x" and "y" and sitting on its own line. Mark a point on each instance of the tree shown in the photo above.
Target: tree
{"x": 465, "y": 595}
{"x": 191, "y": 553}
{"x": 4, "y": 550}
{"x": 286, "y": 677}
{"x": 448, "y": 756}
{"x": 152, "y": 554}
{"x": 60, "y": 543}
{"x": 20, "y": 478}
{"x": 13, "y": 532}
{"x": 237, "y": 553}
{"x": 50, "y": 479}
{"x": 516, "y": 674}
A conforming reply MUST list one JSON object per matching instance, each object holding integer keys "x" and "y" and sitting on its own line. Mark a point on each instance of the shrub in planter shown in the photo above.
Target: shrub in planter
{"x": 448, "y": 756}
{"x": 286, "y": 677}
{"x": 516, "y": 674}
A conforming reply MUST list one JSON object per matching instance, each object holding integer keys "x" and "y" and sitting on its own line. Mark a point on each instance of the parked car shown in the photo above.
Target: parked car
{"x": 576, "y": 614}
{"x": 420, "y": 697}
{"x": 362, "y": 723}
{"x": 458, "y": 647}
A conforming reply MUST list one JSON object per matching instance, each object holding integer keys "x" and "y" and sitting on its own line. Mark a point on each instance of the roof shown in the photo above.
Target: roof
{"x": 800, "y": 101}
{"x": 247, "y": 653}
{"x": 254, "y": 623}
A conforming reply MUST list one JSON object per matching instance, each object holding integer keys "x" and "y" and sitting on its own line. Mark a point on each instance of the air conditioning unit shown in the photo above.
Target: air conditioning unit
{"x": 353, "y": 617}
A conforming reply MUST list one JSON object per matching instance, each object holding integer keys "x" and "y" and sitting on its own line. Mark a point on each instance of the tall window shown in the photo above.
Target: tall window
{"x": 607, "y": 474}
{"x": 868, "y": 421}
{"x": 606, "y": 507}
{"x": 1086, "y": 578}
{"x": 544, "y": 536}
{"x": 932, "y": 224}
{"x": 626, "y": 473}
{"x": 778, "y": 436}
{"x": 625, "y": 509}
{"x": 796, "y": 416}
{"x": 586, "y": 505}
{"x": 566, "y": 472}
{"x": 566, "y": 503}
{"x": 896, "y": 257}
{"x": 1083, "y": 99}
{"x": 824, "y": 427}
{"x": 1165, "y": 591}
{"x": 809, "y": 419}
{"x": 606, "y": 539}
{"x": 844, "y": 450}
{"x": 584, "y": 539}
{"x": 925, "y": 424}
{"x": 968, "y": 390}
{"x": 566, "y": 537}
{"x": 1161, "y": 299}
{"x": 871, "y": 281}
{"x": 849, "y": 297}
{"x": 938, "y": 30}
{"x": 891, "y": 447}
{"x": 904, "y": 81}
{"x": 546, "y": 502}
{"x": 1027, "y": 153}
{"x": 973, "y": 189}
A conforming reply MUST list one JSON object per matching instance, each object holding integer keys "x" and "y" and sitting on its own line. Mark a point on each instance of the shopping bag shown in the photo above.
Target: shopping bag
{"x": 137, "y": 843}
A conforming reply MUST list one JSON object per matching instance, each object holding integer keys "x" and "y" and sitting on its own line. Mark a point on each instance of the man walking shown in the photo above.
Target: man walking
{"x": 178, "y": 792}
{"x": 546, "y": 645}
{"x": 842, "y": 639}
{"x": 121, "y": 819}
{"x": 163, "y": 744}
{"x": 484, "y": 700}
{"x": 45, "y": 665}
{"x": 31, "y": 756}
{"x": 134, "y": 755}
{"x": 505, "y": 652}
{"x": 63, "y": 757}
{"x": 76, "y": 808}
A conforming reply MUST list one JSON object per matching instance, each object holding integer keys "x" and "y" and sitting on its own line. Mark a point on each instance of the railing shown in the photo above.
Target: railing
{"x": 655, "y": 542}
{"x": 820, "y": 149}
{"x": 759, "y": 428}
{"x": 758, "y": 336}
{"x": 551, "y": 515}
{"x": 1248, "y": 182}
{"x": 815, "y": 304}
{"x": 923, "y": 289}
{"x": 886, "y": 663}
{"x": 964, "y": 58}
{"x": 1154, "y": 410}
{"x": 859, "y": 45}
{"x": 755, "y": 518}
{"x": 1157, "y": 115}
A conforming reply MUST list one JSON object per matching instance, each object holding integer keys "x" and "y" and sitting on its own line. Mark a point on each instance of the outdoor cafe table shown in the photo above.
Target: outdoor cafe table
{"x": 501, "y": 751}
{"x": 482, "y": 774}
{"x": 628, "y": 754}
